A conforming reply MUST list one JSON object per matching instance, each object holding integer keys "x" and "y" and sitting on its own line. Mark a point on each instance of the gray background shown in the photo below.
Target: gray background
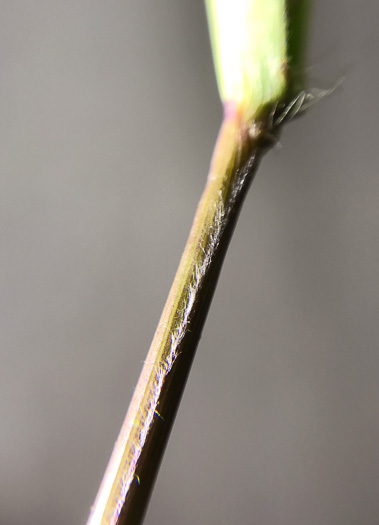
{"x": 109, "y": 112}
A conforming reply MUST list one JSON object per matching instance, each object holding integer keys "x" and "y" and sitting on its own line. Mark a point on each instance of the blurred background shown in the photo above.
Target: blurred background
{"x": 109, "y": 113}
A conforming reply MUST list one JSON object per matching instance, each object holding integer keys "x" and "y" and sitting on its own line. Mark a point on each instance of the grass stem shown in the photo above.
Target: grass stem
{"x": 249, "y": 42}
{"x": 129, "y": 478}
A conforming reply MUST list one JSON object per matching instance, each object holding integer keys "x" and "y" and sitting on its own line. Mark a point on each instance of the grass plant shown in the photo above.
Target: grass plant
{"x": 258, "y": 46}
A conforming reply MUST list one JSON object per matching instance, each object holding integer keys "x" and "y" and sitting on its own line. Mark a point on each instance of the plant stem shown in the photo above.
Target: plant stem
{"x": 129, "y": 478}
{"x": 250, "y": 50}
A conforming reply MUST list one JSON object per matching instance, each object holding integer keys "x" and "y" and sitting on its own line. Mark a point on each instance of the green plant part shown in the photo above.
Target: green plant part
{"x": 249, "y": 48}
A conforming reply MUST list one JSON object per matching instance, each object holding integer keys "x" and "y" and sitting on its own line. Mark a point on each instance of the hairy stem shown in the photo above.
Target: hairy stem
{"x": 129, "y": 478}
